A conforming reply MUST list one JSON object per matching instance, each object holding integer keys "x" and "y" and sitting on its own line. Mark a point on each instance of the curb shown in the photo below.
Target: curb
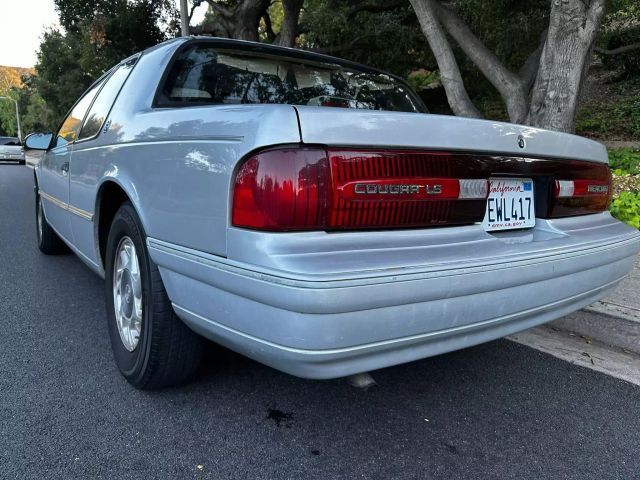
{"x": 610, "y": 323}
{"x": 31, "y": 162}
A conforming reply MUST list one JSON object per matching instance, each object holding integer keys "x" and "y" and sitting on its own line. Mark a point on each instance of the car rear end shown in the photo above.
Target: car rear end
{"x": 384, "y": 237}
{"x": 11, "y": 150}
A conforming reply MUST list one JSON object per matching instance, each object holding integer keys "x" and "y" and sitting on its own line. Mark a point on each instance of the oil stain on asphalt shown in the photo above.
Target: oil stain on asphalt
{"x": 280, "y": 418}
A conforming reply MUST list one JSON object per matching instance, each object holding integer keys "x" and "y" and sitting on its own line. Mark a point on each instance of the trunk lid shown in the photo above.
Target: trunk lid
{"x": 370, "y": 128}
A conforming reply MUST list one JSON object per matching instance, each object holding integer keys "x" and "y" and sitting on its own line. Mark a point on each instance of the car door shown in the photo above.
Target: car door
{"x": 53, "y": 178}
{"x": 86, "y": 160}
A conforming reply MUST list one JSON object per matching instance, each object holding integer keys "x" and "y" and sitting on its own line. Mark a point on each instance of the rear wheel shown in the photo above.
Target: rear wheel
{"x": 49, "y": 242}
{"x": 152, "y": 347}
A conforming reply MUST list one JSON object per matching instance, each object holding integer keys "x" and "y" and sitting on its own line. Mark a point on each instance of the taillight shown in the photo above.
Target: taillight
{"x": 307, "y": 188}
{"x": 582, "y": 195}
{"x": 281, "y": 190}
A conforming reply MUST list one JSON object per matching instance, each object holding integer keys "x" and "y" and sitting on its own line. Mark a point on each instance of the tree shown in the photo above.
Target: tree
{"x": 546, "y": 89}
{"x": 97, "y": 35}
{"x": 241, "y": 19}
{"x": 382, "y": 34}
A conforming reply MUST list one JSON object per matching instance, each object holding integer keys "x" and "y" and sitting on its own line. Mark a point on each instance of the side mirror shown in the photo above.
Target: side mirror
{"x": 37, "y": 141}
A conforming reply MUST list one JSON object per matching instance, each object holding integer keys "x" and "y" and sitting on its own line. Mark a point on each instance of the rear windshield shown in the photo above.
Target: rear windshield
{"x": 203, "y": 74}
{"x": 10, "y": 141}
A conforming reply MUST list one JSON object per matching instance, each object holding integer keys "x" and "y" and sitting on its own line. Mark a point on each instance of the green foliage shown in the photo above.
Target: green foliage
{"x": 424, "y": 79}
{"x": 627, "y": 62}
{"x": 625, "y": 160}
{"x": 625, "y": 163}
{"x": 97, "y": 35}
{"x": 621, "y": 27}
{"x": 393, "y": 40}
{"x": 61, "y": 78}
{"x": 627, "y": 208}
{"x": 510, "y": 28}
{"x": 8, "y": 124}
{"x": 620, "y": 118}
{"x": 390, "y": 40}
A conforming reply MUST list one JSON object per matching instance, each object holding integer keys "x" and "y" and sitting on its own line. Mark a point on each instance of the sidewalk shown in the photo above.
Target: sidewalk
{"x": 626, "y": 299}
{"x": 615, "y": 320}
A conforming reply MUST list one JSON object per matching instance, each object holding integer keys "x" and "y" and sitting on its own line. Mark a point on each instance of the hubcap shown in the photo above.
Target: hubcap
{"x": 127, "y": 293}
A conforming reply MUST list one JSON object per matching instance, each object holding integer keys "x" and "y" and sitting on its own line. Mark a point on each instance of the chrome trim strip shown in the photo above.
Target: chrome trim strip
{"x": 65, "y": 206}
{"x": 54, "y": 200}
{"x": 81, "y": 213}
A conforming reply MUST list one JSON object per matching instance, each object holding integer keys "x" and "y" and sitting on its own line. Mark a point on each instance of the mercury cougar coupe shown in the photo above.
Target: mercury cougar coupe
{"x": 309, "y": 213}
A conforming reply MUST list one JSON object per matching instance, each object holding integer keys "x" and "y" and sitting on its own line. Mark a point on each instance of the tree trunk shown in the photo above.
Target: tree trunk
{"x": 450, "y": 77}
{"x": 563, "y": 65}
{"x": 510, "y": 86}
{"x": 289, "y": 29}
{"x": 240, "y": 22}
{"x": 247, "y": 19}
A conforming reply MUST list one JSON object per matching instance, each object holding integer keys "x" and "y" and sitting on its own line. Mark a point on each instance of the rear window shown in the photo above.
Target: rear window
{"x": 10, "y": 141}
{"x": 204, "y": 74}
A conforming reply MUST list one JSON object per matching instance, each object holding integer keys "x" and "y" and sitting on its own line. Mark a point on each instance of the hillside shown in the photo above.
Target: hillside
{"x": 10, "y": 77}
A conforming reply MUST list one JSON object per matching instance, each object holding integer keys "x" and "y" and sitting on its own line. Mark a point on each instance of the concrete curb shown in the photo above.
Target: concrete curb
{"x": 611, "y": 324}
{"x": 31, "y": 160}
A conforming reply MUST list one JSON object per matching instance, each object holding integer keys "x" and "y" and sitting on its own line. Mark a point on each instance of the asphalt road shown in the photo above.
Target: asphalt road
{"x": 500, "y": 410}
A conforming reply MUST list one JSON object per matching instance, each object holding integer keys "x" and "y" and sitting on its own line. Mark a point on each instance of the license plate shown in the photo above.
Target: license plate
{"x": 509, "y": 205}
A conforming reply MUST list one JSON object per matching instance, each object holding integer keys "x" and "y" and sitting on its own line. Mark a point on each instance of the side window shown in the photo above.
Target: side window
{"x": 71, "y": 126}
{"x": 101, "y": 107}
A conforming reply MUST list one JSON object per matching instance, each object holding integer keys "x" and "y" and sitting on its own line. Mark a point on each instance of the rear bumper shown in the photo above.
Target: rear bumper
{"x": 12, "y": 158}
{"x": 337, "y": 325}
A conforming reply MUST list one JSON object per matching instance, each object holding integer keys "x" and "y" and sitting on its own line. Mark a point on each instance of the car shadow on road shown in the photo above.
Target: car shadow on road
{"x": 495, "y": 404}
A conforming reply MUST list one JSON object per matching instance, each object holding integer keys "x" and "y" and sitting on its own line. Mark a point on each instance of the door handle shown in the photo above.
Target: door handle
{"x": 65, "y": 168}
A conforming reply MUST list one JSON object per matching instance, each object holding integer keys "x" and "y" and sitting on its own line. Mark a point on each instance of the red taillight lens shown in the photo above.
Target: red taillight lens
{"x": 281, "y": 190}
{"x": 402, "y": 189}
{"x": 583, "y": 195}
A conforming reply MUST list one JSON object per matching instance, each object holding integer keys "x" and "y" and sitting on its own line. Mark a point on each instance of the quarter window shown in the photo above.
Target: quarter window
{"x": 71, "y": 126}
{"x": 101, "y": 107}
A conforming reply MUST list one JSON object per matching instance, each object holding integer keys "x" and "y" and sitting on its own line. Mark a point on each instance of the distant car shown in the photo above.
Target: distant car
{"x": 11, "y": 150}
{"x": 310, "y": 213}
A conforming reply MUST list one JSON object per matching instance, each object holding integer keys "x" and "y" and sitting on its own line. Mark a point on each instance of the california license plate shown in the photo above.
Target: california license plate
{"x": 510, "y": 204}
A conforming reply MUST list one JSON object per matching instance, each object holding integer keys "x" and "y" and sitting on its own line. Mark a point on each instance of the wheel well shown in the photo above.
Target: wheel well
{"x": 110, "y": 197}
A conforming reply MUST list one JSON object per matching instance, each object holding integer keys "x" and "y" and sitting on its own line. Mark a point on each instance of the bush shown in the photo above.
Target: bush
{"x": 627, "y": 208}
{"x": 625, "y": 160}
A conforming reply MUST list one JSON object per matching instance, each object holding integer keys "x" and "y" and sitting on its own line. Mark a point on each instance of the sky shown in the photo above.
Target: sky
{"x": 22, "y": 23}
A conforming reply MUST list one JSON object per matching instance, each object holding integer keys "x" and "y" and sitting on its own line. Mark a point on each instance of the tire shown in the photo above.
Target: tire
{"x": 166, "y": 352}
{"x": 49, "y": 242}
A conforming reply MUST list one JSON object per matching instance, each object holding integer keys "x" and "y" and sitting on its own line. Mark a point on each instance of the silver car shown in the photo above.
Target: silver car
{"x": 11, "y": 150}
{"x": 308, "y": 212}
